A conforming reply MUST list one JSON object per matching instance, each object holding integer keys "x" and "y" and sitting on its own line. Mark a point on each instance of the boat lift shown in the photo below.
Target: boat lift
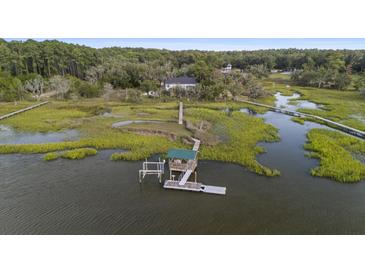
{"x": 152, "y": 168}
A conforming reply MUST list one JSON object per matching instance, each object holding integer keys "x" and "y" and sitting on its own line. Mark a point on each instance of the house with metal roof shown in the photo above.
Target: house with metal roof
{"x": 183, "y": 82}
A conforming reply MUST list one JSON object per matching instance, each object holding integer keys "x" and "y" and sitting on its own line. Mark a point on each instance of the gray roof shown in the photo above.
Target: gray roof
{"x": 184, "y": 80}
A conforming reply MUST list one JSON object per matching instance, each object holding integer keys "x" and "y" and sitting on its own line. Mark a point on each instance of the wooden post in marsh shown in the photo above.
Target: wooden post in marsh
{"x": 181, "y": 114}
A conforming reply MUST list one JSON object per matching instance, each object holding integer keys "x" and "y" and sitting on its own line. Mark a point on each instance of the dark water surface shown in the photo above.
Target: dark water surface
{"x": 11, "y": 136}
{"x": 98, "y": 196}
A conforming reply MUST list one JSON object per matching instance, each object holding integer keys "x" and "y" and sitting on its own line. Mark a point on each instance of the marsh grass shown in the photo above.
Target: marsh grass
{"x": 243, "y": 131}
{"x": 77, "y": 154}
{"x": 339, "y": 106}
{"x": 298, "y": 120}
{"x": 231, "y": 106}
{"x": 138, "y": 146}
{"x": 50, "y": 156}
{"x": 335, "y": 153}
{"x": 51, "y": 117}
{"x": 237, "y": 132}
{"x": 74, "y": 154}
{"x": 6, "y": 108}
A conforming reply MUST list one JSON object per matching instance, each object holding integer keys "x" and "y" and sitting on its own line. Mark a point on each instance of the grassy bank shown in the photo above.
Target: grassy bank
{"x": 139, "y": 146}
{"x": 335, "y": 152}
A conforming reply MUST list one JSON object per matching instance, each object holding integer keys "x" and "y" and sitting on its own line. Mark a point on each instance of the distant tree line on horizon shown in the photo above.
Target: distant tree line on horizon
{"x": 31, "y": 67}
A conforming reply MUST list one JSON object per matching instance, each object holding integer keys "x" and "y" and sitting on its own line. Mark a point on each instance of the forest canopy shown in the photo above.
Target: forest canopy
{"x": 29, "y": 67}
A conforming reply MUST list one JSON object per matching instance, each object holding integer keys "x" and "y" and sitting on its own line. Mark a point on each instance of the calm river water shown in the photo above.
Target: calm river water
{"x": 98, "y": 196}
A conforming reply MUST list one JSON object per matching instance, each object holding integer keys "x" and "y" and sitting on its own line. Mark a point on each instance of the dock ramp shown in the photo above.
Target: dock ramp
{"x": 185, "y": 178}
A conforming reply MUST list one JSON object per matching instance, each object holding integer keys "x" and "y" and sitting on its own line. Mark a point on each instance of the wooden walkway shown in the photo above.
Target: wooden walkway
{"x": 191, "y": 166}
{"x": 196, "y": 144}
{"x": 22, "y": 110}
{"x": 339, "y": 126}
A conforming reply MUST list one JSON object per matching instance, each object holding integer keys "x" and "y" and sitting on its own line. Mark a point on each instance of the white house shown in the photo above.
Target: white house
{"x": 227, "y": 69}
{"x": 180, "y": 82}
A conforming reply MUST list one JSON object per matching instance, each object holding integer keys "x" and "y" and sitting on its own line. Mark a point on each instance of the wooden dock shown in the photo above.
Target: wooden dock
{"x": 186, "y": 169}
{"x": 195, "y": 187}
{"x": 184, "y": 162}
{"x": 330, "y": 123}
{"x": 22, "y": 110}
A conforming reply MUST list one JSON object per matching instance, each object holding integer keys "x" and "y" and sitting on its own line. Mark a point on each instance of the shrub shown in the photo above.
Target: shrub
{"x": 79, "y": 153}
{"x": 51, "y": 156}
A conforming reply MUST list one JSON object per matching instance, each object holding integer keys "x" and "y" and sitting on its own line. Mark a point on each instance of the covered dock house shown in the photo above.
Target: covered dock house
{"x": 182, "y": 166}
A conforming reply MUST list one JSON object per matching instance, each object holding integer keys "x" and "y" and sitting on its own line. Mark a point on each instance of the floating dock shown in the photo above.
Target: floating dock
{"x": 194, "y": 186}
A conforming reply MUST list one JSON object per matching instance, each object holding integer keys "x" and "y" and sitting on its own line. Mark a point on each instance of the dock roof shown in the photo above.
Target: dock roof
{"x": 185, "y": 154}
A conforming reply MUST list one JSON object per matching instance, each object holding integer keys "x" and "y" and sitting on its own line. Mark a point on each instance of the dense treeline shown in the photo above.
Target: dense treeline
{"x": 53, "y": 57}
{"x": 31, "y": 67}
